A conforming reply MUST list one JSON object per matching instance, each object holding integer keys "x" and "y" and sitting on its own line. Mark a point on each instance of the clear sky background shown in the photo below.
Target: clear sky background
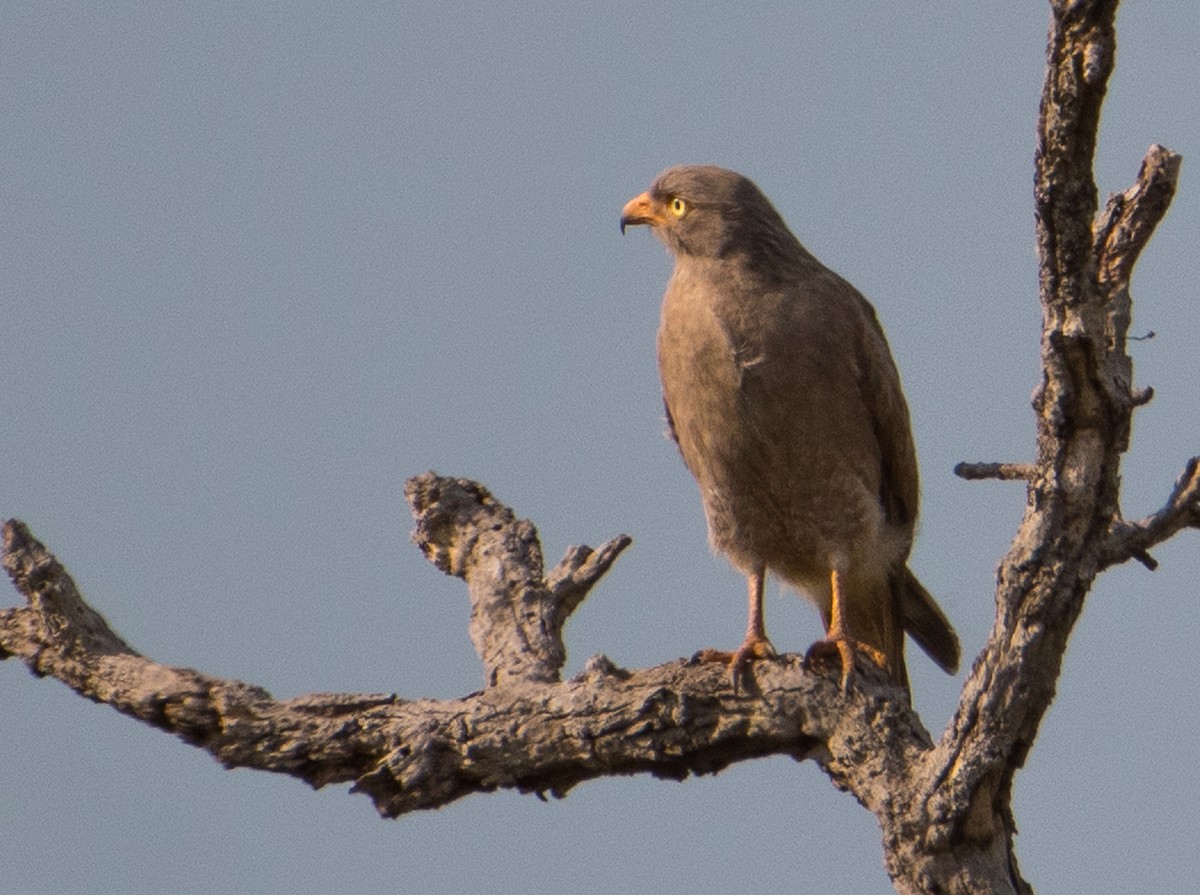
{"x": 260, "y": 263}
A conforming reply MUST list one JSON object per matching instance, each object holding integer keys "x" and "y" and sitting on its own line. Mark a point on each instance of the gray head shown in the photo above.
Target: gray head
{"x": 709, "y": 212}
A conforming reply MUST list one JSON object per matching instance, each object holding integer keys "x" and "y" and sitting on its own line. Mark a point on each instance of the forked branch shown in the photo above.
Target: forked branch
{"x": 944, "y": 808}
{"x": 521, "y": 733}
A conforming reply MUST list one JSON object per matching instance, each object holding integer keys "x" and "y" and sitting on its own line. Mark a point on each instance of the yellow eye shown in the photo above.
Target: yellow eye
{"x": 678, "y": 207}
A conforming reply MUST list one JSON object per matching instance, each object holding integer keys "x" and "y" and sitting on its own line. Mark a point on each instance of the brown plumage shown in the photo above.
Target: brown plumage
{"x": 786, "y": 405}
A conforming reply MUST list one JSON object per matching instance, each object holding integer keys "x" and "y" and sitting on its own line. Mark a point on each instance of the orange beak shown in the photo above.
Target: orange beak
{"x": 641, "y": 210}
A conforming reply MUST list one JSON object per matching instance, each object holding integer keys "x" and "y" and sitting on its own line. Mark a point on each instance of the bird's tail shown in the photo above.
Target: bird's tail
{"x": 925, "y": 621}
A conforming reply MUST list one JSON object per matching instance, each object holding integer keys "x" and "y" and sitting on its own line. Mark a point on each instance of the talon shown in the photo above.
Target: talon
{"x": 755, "y": 646}
{"x": 826, "y": 654}
{"x": 751, "y": 650}
{"x": 840, "y": 652}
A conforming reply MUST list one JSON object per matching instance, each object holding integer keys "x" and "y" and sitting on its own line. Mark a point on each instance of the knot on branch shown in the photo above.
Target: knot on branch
{"x": 517, "y": 610}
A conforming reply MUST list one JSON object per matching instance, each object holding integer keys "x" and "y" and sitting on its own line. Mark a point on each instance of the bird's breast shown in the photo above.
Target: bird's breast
{"x": 768, "y": 412}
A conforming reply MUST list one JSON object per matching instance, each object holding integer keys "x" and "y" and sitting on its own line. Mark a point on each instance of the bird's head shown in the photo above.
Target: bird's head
{"x": 709, "y": 212}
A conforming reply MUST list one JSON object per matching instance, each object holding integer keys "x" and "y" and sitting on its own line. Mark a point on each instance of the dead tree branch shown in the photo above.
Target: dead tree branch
{"x": 1133, "y": 540}
{"x": 1005, "y": 472}
{"x": 517, "y": 612}
{"x": 1084, "y": 411}
{"x": 670, "y": 721}
{"x": 943, "y": 808}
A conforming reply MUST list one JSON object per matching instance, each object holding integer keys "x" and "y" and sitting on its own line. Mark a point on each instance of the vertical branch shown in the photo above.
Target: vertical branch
{"x": 1084, "y": 407}
{"x": 1080, "y": 52}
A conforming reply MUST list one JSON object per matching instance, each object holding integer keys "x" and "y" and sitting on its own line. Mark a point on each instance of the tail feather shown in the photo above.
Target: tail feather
{"x": 928, "y": 625}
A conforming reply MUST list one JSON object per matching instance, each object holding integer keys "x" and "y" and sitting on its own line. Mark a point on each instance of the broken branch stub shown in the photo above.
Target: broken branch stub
{"x": 517, "y": 610}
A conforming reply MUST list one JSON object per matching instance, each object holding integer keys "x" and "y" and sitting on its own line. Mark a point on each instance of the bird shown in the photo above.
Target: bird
{"x": 786, "y": 405}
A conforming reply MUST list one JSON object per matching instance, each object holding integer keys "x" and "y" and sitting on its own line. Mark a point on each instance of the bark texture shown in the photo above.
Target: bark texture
{"x": 943, "y": 807}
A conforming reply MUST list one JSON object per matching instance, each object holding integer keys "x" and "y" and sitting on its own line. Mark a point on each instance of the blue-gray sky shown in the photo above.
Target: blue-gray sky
{"x": 259, "y": 263}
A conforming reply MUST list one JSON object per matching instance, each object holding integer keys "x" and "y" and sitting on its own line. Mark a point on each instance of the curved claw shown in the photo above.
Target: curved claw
{"x": 751, "y": 650}
{"x": 840, "y": 651}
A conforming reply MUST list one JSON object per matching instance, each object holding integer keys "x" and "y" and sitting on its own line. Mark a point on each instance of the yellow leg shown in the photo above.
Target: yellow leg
{"x": 839, "y": 637}
{"x": 839, "y": 632}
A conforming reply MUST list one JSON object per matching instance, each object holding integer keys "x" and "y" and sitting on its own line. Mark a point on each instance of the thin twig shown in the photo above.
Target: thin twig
{"x": 1133, "y": 540}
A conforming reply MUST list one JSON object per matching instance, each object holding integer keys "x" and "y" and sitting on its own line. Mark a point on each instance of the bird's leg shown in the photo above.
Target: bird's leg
{"x": 755, "y": 645}
{"x": 838, "y": 632}
{"x": 839, "y": 638}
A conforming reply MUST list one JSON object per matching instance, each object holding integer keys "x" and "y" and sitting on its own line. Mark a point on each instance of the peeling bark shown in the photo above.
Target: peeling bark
{"x": 943, "y": 807}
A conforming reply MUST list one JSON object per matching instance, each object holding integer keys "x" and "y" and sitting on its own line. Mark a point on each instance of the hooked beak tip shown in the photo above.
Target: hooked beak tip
{"x": 639, "y": 210}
